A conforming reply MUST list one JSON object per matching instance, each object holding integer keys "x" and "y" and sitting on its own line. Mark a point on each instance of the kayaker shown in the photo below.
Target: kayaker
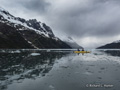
{"x": 82, "y": 49}
{"x": 78, "y": 49}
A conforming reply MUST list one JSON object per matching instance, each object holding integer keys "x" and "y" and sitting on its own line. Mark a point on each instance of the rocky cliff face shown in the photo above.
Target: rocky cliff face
{"x": 17, "y": 32}
{"x": 10, "y": 38}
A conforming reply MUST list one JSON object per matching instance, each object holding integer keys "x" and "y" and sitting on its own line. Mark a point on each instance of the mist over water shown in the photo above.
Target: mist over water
{"x": 51, "y": 69}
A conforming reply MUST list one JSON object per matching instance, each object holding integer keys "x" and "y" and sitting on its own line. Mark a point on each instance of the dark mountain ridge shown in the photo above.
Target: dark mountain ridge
{"x": 113, "y": 45}
{"x": 16, "y": 32}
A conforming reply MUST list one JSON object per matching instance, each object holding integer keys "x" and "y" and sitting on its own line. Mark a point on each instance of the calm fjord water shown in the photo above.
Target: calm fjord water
{"x": 59, "y": 70}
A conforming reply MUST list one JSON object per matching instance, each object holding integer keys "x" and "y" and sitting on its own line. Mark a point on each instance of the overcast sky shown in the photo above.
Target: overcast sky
{"x": 91, "y": 23}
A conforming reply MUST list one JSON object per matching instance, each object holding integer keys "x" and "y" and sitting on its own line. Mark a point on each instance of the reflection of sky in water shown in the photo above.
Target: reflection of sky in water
{"x": 58, "y": 70}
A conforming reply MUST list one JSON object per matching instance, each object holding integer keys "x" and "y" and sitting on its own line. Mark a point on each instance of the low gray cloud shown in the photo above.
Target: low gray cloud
{"x": 97, "y": 18}
{"x": 33, "y": 6}
{"x": 38, "y": 6}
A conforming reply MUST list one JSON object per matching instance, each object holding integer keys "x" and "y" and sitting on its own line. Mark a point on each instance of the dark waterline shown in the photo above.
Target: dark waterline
{"x": 55, "y": 69}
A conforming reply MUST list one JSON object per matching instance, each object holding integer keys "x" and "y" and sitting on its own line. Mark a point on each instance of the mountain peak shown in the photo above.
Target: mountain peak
{"x": 4, "y": 11}
{"x": 32, "y": 20}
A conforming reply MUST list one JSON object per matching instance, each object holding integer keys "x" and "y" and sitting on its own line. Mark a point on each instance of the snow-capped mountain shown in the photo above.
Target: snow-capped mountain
{"x": 33, "y": 24}
{"x": 72, "y": 43}
{"x": 32, "y": 33}
{"x": 113, "y": 45}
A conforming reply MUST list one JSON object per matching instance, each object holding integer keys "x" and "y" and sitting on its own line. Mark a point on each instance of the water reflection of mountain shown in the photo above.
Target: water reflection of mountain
{"x": 19, "y": 66}
{"x": 113, "y": 52}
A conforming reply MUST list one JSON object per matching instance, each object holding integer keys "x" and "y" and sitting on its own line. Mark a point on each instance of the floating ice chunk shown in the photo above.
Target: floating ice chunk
{"x": 15, "y": 66}
{"x": 48, "y": 50}
{"x": 35, "y": 54}
{"x": 17, "y": 51}
{"x": 88, "y": 73}
{"x": 14, "y": 77}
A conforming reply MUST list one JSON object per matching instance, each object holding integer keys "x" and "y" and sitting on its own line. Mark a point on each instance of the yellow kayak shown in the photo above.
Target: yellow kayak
{"x": 81, "y": 51}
